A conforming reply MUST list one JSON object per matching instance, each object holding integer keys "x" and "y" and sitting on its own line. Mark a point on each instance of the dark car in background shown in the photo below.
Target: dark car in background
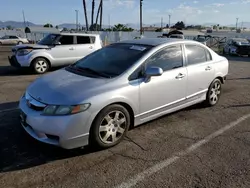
{"x": 237, "y": 46}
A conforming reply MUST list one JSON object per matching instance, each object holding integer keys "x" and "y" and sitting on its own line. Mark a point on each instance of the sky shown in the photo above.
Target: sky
{"x": 222, "y": 12}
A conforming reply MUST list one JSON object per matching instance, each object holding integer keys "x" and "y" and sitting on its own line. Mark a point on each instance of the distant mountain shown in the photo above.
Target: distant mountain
{"x": 15, "y": 24}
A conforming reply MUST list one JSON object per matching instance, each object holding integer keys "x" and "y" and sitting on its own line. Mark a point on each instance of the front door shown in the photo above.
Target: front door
{"x": 163, "y": 92}
{"x": 65, "y": 52}
{"x": 200, "y": 70}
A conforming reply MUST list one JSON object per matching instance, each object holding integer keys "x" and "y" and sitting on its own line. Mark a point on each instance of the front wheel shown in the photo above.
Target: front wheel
{"x": 40, "y": 65}
{"x": 214, "y": 93}
{"x": 110, "y": 126}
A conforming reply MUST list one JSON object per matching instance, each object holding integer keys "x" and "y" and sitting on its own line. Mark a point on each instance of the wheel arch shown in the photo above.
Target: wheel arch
{"x": 32, "y": 62}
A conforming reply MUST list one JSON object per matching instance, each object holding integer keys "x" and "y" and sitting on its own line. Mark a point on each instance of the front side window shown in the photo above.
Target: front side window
{"x": 169, "y": 58}
{"x": 112, "y": 60}
{"x": 49, "y": 39}
{"x": 66, "y": 40}
{"x": 195, "y": 54}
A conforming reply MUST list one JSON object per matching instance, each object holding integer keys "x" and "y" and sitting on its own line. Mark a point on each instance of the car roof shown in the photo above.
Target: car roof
{"x": 80, "y": 34}
{"x": 154, "y": 41}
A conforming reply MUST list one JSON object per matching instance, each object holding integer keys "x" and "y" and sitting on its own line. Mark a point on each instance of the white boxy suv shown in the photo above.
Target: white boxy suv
{"x": 54, "y": 50}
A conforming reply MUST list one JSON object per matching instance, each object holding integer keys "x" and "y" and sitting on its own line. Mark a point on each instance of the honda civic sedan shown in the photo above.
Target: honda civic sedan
{"x": 97, "y": 99}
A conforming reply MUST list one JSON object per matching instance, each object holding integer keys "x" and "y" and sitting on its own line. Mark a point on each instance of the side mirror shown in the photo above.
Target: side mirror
{"x": 153, "y": 71}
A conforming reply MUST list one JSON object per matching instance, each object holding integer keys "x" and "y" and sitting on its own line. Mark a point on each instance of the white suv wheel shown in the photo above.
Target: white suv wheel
{"x": 40, "y": 66}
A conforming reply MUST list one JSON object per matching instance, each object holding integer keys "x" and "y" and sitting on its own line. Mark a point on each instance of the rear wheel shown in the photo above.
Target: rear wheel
{"x": 0, "y": 43}
{"x": 110, "y": 126}
{"x": 40, "y": 65}
{"x": 20, "y": 42}
{"x": 214, "y": 93}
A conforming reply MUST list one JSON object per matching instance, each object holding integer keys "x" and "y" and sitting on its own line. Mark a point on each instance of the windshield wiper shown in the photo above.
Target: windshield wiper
{"x": 91, "y": 70}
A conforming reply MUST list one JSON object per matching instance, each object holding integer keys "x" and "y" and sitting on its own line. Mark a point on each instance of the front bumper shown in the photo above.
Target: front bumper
{"x": 13, "y": 61}
{"x": 68, "y": 132}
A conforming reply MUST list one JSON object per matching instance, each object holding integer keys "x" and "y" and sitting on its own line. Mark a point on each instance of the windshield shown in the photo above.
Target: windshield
{"x": 112, "y": 60}
{"x": 201, "y": 39}
{"x": 49, "y": 39}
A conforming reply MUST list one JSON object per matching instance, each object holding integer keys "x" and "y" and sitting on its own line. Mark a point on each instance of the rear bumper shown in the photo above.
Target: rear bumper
{"x": 13, "y": 61}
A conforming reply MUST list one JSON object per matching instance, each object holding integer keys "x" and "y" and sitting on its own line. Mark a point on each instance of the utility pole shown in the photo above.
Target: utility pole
{"x": 77, "y": 19}
{"x": 92, "y": 12}
{"x": 169, "y": 17}
{"x": 141, "y": 17}
{"x": 237, "y": 23}
{"x": 109, "y": 22}
{"x": 24, "y": 23}
{"x": 161, "y": 22}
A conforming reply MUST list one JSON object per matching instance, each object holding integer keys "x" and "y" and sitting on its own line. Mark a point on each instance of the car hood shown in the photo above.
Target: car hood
{"x": 65, "y": 88}
{"x": 30, "y": 46}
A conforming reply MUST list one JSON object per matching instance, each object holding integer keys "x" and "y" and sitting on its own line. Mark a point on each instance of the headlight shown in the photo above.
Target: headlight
{"x": 53, "y": 110}
{"x": 23, "y": 52}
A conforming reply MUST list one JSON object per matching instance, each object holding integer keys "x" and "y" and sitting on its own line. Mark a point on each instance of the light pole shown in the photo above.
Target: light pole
{"x": 77, "y": 19}
{"x": 169, "y": 17}
{"x": 237, "y": 23}
{"x": 141, "y": 17}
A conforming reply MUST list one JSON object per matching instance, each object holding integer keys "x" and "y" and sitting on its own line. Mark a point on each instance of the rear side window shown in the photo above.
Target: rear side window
{"x": 85, "y": 40}
{"x": 195, "y": 54}
{"x": 209, "y": 56}
{"x": 66, "y": 40}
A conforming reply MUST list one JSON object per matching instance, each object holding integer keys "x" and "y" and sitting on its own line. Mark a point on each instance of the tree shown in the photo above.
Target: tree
{"x": 65, "y": 29}
{"x": 167, "y": 26}
{"x": 179, "y": 25}
{"x": 95, "y": 27}
{"x": 121, "y": 27}
{"x": 85, "y": 13}
{"x": 9, "y": 27}
{"x": 48, "y": 25}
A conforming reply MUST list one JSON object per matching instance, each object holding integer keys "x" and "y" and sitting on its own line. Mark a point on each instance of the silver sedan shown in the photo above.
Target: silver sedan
{"x": 95, "y": 100}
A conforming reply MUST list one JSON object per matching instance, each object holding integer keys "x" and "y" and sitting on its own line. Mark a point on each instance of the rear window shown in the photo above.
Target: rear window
{"x": 85, "y": 40}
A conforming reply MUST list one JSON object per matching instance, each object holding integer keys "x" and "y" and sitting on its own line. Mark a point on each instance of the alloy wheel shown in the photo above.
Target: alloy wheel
{"x": 215, "y": 93}
{"x": 41, "y": 66}
{"x": 112, "y": 127}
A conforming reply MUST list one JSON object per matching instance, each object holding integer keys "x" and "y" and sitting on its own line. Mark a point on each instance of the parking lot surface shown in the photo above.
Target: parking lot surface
{"x": 196, "y": 147}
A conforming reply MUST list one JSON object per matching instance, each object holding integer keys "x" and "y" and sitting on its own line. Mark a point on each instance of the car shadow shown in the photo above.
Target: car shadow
{"x": 20, "y": 151}
{"x": 237, "y": 58}
{"x": 239, "y": 105}
{"x": 13, "y": 71}
{"x": 8, "y": 105}
{"x": 246, "y": 78}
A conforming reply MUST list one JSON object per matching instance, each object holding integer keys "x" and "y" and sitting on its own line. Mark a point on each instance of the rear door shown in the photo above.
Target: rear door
{"x": 84, "y": 46}
{"x": 64, "y": 53}
{"x": 200, "y": 70}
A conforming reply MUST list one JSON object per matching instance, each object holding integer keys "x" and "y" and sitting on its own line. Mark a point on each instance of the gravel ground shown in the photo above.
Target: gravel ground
{"x": 222, "y": 162}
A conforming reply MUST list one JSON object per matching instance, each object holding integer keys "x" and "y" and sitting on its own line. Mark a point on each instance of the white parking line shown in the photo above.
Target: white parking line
{"x": 165, "y": 163}
{"x": 7, "y": 110}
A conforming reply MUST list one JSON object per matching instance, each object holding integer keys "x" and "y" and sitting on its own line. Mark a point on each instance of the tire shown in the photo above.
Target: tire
{"x": 112, "y": 131}
{"x": 40, "y": 65}
{"x": 20, "y": 42}
{"x": 0, "y": 43}
{"x": 213, "y": 93}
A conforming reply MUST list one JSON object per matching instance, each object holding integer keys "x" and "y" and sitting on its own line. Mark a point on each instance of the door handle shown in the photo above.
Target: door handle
{"x": 180, "y": 75}
{"x": 72, "y": 48}
{"x": 208, "y": 68}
